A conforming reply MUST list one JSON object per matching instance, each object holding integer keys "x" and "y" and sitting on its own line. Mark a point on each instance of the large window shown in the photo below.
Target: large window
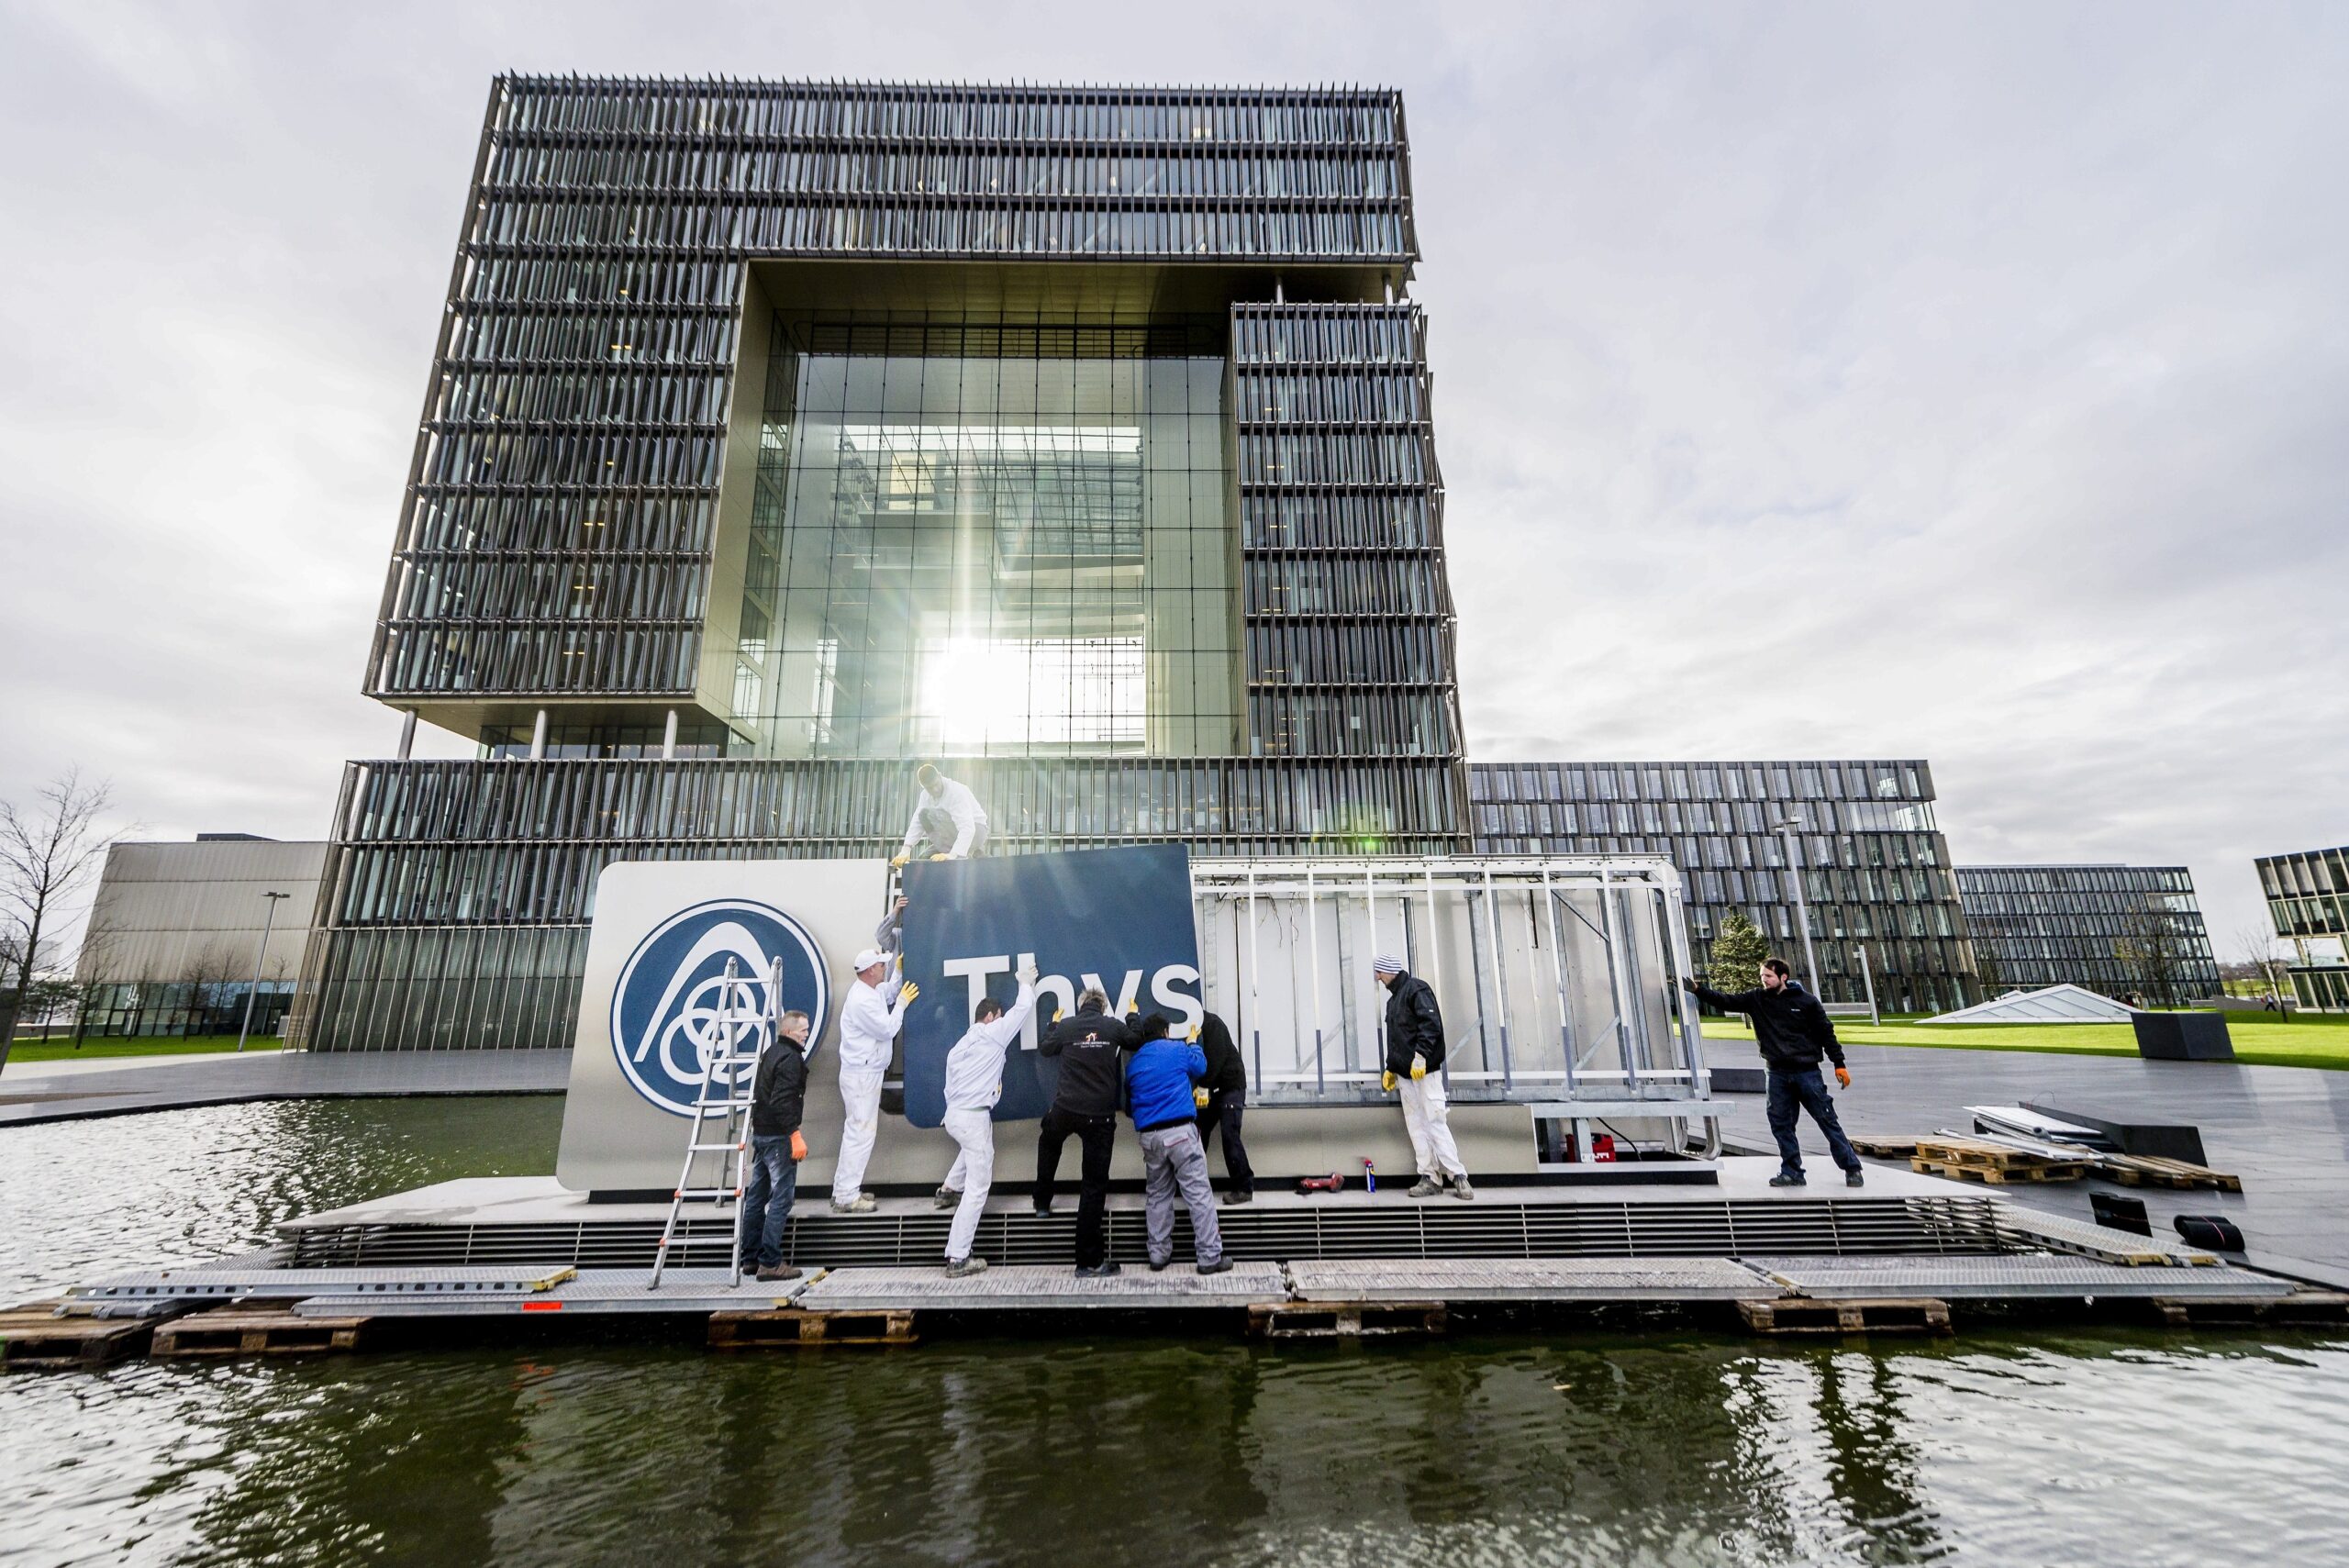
{"x": 956, "y": 555}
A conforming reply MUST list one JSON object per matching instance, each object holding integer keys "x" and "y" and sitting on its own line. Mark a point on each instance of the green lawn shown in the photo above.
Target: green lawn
{"x": 63, "y": 1050}
{"x": 2262, "y": 1040}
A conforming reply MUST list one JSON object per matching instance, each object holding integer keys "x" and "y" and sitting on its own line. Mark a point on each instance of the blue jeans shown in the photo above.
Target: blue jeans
{"x": 1808, "y": 1089}
{"x": 766, "y": 1200}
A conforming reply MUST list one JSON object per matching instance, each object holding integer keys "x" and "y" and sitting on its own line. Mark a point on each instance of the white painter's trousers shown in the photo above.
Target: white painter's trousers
{"x": 861, "y": 1108}
{"x": 972, "y": 1173}
{"x": 1424, "y": 1119}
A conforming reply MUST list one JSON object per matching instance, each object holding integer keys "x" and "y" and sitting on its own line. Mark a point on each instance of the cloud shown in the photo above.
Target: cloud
{"x": 1854, "y": 381}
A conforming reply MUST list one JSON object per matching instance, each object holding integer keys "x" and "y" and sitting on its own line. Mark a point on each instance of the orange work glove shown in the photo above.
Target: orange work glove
{"x": 1844, "y": 1076}
{"x": 799, "y": 1145}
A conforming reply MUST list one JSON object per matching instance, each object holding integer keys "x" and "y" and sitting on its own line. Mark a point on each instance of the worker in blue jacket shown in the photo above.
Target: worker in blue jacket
{"x": 1159, "y": 1096}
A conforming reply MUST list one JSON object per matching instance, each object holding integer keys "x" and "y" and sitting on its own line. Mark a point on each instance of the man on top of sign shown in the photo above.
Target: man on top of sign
{"x": 868, "y": 1035}
{"x": 949, "y": 822}
{"x": 973, "y": 1084}
{"x": 1414, "y": 1054}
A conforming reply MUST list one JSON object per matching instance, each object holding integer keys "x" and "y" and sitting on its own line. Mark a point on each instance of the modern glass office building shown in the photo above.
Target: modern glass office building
{"x": 2308, "y": 903}
{"x": 1875, "y": 869}
{"x": 2122, "y": 931}
{"x": 783, "y": 435}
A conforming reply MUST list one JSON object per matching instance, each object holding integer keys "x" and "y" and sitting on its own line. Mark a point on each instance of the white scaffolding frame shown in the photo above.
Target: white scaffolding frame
{"x": 1582, "y": 954}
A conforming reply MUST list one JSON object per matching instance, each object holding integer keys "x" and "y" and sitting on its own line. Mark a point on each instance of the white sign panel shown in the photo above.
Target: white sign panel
{"x": 650, "y": 1020}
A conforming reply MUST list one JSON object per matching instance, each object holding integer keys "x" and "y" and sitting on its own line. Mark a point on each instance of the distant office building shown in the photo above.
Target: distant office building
{"x": 2122, "y": 931}
{"x": 2307, "y": 902}
{"x": 1876, "y": 870}
{"x": 782, "y": 436}
{"x": 175, "y": 934}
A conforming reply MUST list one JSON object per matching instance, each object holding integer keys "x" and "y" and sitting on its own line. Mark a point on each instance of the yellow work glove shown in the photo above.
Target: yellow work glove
{"x": 907, "y": 992}
{"x": 1058, "y": 1014}
{"x": 899, "y": 859}
{"x": 1844, "y": 1076}
{"x": 1418, "y": 1067}
{"x": 941, "y": 857}
{"x": 1193, "y": 1035}
{"x": 1199, "y": 1097}
{"x": 1386, "y": 1081}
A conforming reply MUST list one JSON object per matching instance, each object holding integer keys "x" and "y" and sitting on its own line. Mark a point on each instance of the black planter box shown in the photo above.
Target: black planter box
{"x": 2184, "y": 1037}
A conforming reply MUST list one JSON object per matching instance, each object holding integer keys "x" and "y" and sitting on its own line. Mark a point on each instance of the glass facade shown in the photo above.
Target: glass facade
{"x": 958, "y": 553}
{"x": 2120, "y": 931}
{"x": 2308, "y": 903}
{"x": 1874, "y": 869}
{"x": 1078, "y": 437}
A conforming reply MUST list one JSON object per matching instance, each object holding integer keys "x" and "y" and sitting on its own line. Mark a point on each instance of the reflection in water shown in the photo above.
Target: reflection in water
{"x": 1566, "y": 1449}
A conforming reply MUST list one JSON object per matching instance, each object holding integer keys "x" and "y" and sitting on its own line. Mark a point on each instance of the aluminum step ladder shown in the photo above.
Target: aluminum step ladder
{"x": 742, "y": 1025}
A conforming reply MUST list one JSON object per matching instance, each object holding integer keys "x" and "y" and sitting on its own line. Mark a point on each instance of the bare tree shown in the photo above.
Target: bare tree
{"x": 95, "y": 973}
{"x": 2149, "y": 945}
{"x": 2257, "y": 945}
{"x": 205, "y": 975}
{"x": 48, "y": 852}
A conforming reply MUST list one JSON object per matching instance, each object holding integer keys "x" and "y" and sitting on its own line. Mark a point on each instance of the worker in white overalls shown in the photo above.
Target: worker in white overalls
{"x": 949, "y": 822}
{"x": 973, "y": 1084}
{"x": 868, "y": 1033}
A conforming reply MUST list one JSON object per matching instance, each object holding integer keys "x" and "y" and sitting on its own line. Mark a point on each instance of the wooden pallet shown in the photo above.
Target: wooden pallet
{"x": 1994, "y": 1155}
{"x": 1790, "y": 1315}
{"x": 2154, "y": 1171}
{"x": 792, "y": 1326}
{"x": 2313, "y": 1309}
{"x": 1885, "y": 1148}
{"x": 1342, "y": 1320}
{"x": 1999, "y": 1175}
{"x": 33, "y": 1338}
{"x": 243, "y": 1332}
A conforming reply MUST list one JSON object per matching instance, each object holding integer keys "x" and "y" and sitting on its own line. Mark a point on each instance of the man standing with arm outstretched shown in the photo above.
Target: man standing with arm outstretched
{"x": 868, "y": 1033}
{"x": 1793, "y": 1032}
{"x": 973, "y": 1084}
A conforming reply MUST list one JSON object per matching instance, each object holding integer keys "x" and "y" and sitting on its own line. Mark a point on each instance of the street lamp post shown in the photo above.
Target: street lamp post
{"x": 1785, "y": 827}
{"x": 259, "y": 953}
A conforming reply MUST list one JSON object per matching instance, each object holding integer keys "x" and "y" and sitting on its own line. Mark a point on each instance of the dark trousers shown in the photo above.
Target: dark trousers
{"x": 1225, "y": 1108}
{"x": 766, "y": 1200}
{"x": 1097, "y": 1135}
{"x": 1807, "y": 1089}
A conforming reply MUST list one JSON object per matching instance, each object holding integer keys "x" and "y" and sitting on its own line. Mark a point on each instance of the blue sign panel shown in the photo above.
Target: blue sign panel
{"x": 1119, "y": 921}
{"x": 672, "y": 1014}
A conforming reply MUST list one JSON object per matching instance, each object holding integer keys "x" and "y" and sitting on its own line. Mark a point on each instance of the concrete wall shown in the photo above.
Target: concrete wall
{"x": 160, "y": 906}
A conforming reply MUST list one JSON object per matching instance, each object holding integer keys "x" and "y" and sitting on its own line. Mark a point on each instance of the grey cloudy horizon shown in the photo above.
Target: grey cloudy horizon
{"x": 1810, "y": 382}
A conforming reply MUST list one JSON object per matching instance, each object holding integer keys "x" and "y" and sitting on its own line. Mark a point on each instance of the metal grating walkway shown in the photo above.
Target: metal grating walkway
{"x": 1493, "y": 1226}
{"x": 2033, "y": 1274}
{"x": 1561, "y": 1279}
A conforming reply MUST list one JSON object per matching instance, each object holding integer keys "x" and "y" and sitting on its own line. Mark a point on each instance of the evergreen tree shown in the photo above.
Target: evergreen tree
{"x": 1737, "y": 952}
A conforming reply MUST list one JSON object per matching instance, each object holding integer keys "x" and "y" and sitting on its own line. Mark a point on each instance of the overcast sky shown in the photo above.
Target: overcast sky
{"x": 1864, "y": 381}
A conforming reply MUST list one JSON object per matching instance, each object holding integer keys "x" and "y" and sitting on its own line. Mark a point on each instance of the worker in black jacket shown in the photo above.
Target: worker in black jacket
{"x": 1413, "y": 1063}
{"x": 1223, "y": 1099}
{"x": 778, "y": 1099}
{"x": 1088, "y": 1044}
{"x": 1793, "y": 1032}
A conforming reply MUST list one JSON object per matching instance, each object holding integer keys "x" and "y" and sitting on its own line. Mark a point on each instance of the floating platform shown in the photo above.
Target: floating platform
{"x": 1903, "y": 1255}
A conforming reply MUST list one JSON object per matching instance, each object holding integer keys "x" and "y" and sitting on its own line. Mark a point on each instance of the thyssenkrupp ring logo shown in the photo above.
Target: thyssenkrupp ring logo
{"x": 672, "y": 1013}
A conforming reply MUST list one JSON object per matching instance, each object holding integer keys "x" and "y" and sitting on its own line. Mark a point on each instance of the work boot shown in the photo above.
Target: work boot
{"x": 778, "y": 1272}
{"x": 1220, "y": 1266}
{"x": 1157, "y": 1264}
{"x": 1043, "y": 1211}
{"x": 1787, "y": 1179}
{"x": 1855, "y": 1177}
{"x": 945, "y": 1198}
{"x": 1242, "y": 1196}
{"x": 1461, "y": 1189}
{"x": 963, "y": 1268}
{"x": 864, "y": 1203}
{"x": 1097, "y": 1270}
{"x": 1425, "y": 1186}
